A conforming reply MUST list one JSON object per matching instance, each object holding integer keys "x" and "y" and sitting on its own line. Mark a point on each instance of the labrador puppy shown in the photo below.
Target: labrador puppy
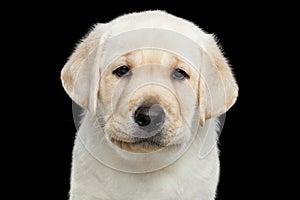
{"x": 142, "y": 104}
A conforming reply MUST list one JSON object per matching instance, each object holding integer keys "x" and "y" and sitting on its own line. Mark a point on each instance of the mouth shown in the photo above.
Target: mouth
{"x": 139, "y": 145}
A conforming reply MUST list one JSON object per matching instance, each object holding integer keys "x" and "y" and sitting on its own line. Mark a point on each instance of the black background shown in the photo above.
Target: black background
{"x": 44, "y": 36}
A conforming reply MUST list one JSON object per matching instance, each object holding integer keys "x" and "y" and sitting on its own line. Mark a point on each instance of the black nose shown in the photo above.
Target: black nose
{"x": 150, "y": 115}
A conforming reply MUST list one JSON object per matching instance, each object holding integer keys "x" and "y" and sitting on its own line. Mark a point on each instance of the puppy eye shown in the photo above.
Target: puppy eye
{"x": 179, "y": 74}
{"x": 122, "y": 71}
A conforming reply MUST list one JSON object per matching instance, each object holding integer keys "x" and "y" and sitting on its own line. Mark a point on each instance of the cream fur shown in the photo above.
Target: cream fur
{"x": 189, "y": 177}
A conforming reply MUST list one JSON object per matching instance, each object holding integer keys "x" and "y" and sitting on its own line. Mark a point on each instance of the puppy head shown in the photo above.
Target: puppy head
{"x": 146, "y": 99}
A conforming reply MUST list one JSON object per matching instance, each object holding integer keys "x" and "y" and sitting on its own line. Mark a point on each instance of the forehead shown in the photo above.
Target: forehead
{"x": 151, "y": 57}
{"x": 142, "y": 57}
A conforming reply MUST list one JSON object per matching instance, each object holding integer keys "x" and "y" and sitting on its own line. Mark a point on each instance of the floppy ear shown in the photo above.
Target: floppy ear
{"x": 80, "y": 75}
{"x": 218, "y": 89}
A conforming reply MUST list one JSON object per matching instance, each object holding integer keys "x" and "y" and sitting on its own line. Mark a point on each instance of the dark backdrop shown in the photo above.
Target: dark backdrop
{"x": 44, "y": 35}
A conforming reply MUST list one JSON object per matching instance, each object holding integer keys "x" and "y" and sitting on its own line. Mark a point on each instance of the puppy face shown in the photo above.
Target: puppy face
{"x": 148, "y": 100}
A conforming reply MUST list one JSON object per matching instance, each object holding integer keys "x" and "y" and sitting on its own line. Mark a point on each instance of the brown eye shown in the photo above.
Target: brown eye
{"x": 122, "y": 71}
{"x": 179, "y": 74}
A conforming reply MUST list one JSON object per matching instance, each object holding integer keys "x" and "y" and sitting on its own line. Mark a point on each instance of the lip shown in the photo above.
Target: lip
{"x": 136, "y": 141}
{"x": 141, "y": 146}
{"x": 148, "y": 141}
{"x": 138, "y": 135}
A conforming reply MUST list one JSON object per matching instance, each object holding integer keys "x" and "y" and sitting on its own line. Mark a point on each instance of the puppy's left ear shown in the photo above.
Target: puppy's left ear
{"x": 81, "y": 74}
{"x": 218, "y": 88}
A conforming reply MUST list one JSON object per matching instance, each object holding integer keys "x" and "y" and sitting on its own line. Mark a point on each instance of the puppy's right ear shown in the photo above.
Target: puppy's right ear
{"x": 81, "y": 74}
